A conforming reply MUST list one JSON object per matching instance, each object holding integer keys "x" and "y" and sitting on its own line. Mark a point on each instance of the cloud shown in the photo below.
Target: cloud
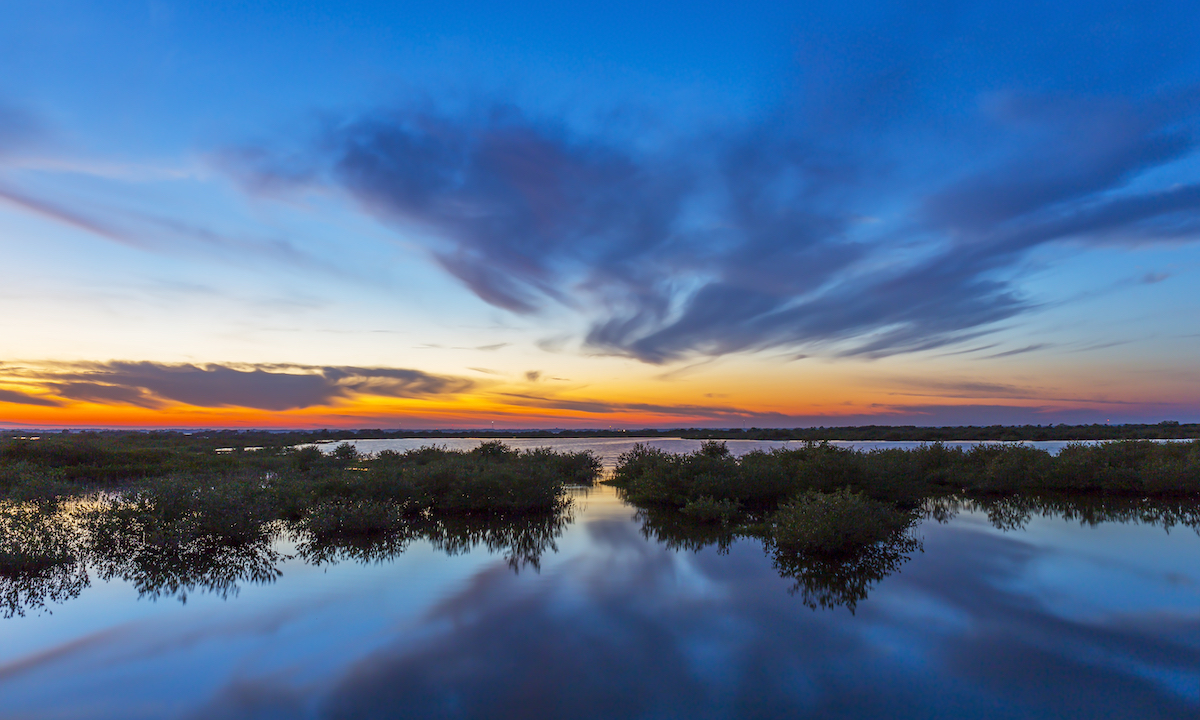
{"x": 67, "y": 216}
{"x": 485, "y": 371}
{"x": 972, "y": 389}
{"x": 18, "y": 128}
{"x": 1017, "y": 351}
{"x": 750, "y": 235}
{"x": 627, "y": 626}
{"x": 20, "y": 398}
{"x": 153, "y": 233}
{"x": 602, "y": 650}
{"x": 264, "y": 387}
{"x": 106, "y": 394}
{"x": 600, "y": 407}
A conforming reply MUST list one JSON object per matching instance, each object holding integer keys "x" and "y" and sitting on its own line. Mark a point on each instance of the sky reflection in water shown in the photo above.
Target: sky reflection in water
{"x": 624, "y": 620}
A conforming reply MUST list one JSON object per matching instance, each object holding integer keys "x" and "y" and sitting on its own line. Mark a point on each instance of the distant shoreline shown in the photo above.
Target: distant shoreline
{"x": 1156, "y": 431}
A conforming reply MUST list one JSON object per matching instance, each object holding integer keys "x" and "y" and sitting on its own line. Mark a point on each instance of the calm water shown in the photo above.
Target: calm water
{"x": 997, "y": 612}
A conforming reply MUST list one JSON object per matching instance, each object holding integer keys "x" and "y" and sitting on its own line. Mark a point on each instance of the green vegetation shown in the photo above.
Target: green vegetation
{"x": 833, "y": 524}
{"x": 838, "y": 521}
{"x": 760, "y": 481}
{"x": 174, "y": 517}
{"x": 173, "y": 478}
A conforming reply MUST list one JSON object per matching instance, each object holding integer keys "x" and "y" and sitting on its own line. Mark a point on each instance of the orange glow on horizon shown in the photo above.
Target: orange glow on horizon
{"x": 468, "y": 412}
{"x": 734, "y": 392}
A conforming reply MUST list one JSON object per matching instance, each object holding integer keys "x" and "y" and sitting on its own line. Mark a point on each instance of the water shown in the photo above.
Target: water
{"x": 1003, "y": 611}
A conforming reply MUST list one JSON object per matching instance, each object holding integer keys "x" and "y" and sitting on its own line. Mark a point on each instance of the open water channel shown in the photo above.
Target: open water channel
{"x": 1005, "y": 611}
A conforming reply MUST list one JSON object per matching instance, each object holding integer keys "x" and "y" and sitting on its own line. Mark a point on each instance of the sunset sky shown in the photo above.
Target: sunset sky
{"x": 434, "y": 215}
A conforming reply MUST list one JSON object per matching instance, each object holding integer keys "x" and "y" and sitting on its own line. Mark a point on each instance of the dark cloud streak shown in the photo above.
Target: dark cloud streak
{"x": 264, "y": 387}
{"x": 20, "y": 398}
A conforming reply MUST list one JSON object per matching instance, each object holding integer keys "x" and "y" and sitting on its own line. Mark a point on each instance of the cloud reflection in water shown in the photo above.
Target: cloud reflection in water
{"x": 618, "y": 624}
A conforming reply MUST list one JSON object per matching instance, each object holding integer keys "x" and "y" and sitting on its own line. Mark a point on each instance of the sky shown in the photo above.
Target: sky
{"x": 594, "y": 215}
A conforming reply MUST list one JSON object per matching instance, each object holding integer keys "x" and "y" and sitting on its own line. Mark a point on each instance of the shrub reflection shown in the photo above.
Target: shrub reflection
{"x": 825, "y": 577}
{"x": 166, "y": 549}
{"x": 522, "y": 539}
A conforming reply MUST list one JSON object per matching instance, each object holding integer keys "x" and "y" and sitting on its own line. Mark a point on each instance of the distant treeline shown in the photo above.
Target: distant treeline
{"x": 210, "y": 439}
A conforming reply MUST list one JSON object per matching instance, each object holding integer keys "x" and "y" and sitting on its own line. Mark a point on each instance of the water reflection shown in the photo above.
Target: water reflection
{"x": 827, "y": 583}
{"x": 1015, "y": 512}
{"x": 39, "y": 557}
{"x": 651, "y": 614}
{"x": 677, "y": 531}
{"x": 645, "y": 631}
{"x": 47, "y": 550}
{"x": 522, "y": 539}
{"x": 821, "y": 581}
{"x": 204, "y": 564}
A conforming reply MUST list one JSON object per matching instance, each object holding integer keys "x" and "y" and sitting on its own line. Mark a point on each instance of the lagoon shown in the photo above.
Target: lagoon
{"x": 1006, "y": 610}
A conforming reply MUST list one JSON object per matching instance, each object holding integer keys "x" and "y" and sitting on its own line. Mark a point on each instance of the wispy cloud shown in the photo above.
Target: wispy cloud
{"x": 67, "y": 216}
{"x": 975, "y": 389}
{"x": 485, "y": 371}
{"x": 601, "y": 407}
{"x": 166, "y": 235}
{"x": 1017, "y": 351}
{"x": 19, "y": 128}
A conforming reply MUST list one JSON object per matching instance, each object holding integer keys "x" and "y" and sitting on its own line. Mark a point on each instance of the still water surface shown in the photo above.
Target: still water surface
{"x": 610, "y": 613}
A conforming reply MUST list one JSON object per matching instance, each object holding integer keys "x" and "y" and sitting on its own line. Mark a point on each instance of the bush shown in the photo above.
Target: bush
{"x": 358, "y": 517}
{"x": 834, "y": 523}
{"x": 707, "y": 510}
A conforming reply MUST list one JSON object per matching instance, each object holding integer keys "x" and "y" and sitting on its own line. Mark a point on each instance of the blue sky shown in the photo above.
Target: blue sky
{"x": 592, "y": 215}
